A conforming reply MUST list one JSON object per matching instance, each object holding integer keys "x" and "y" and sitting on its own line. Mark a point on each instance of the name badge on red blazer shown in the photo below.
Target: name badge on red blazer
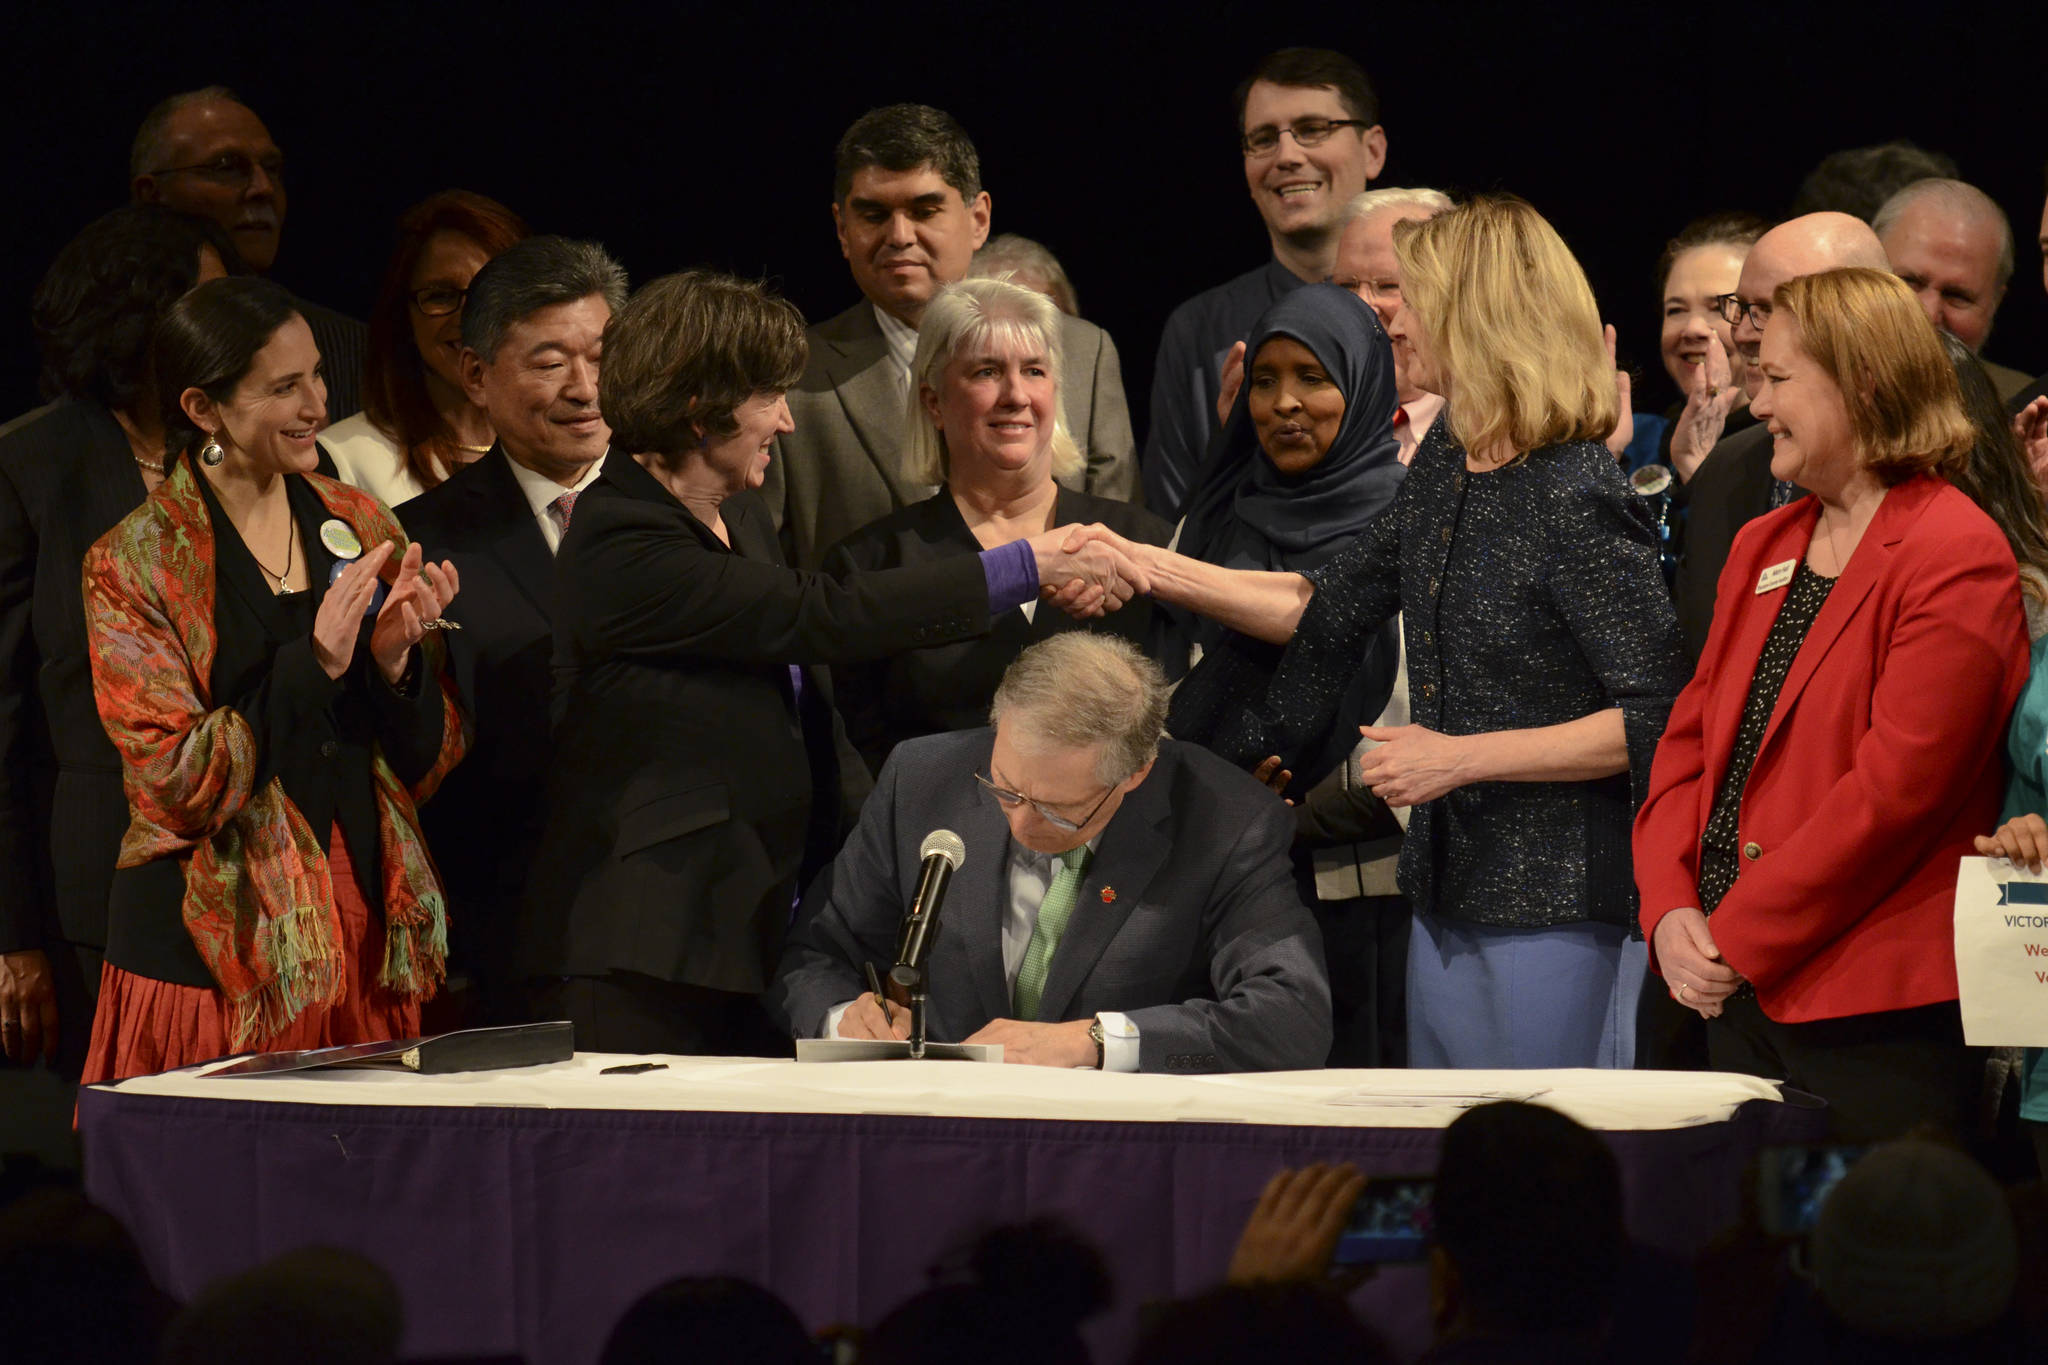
{"x": 1777, "y": 576}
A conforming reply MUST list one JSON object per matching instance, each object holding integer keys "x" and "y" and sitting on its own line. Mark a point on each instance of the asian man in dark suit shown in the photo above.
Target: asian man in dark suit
{"x": 1126, "y": 901}
{"x": 532, "y": 325}
{"x": 910, "y": 213}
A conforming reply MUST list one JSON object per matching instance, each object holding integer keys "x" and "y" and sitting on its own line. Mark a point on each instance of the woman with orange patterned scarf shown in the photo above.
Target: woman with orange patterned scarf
{"x": 262, "y": 658}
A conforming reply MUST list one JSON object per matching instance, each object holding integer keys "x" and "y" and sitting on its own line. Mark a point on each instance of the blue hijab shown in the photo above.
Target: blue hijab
{"x": 1246, "y": 514}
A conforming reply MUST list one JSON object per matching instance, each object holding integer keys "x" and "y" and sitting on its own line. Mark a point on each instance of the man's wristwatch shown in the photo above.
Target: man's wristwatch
{"x": 1095, "y": 1032}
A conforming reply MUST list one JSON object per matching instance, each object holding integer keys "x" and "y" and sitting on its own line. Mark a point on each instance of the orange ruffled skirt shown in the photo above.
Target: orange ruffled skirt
{"x": 143, "y": 1025}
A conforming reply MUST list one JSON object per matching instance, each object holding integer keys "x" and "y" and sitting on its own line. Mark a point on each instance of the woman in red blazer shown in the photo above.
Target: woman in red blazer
{"x": 1839, "y": 745}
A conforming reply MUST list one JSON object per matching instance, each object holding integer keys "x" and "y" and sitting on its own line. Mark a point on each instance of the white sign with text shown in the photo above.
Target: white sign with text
{"x": 2002, "y": 953}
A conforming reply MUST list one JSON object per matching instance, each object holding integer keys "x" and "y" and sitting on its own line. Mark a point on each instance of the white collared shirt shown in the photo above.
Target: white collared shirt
{"x": 541, "y": 492}
{"x": 902, "y": 341}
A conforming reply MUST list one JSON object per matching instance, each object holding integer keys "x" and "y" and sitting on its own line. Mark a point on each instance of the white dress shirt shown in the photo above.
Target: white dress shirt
{"x": 901, "y": 338}
{"x": 541, "y": 492}
{"x": 1029, "y": 877}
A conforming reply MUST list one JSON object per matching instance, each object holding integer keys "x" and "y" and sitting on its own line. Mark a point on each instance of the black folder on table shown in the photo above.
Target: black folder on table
{"x": 470, "y": 1049}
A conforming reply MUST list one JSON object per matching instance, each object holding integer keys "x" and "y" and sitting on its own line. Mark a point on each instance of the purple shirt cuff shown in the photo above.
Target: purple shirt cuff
{"x": 1012, "y": 572}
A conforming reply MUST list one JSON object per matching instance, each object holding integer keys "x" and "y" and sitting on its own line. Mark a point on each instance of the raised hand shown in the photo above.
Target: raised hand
{"x": 1712, "y": 397}
{"x": 420, "y": 593}
{"x": 341, "y": 611}
{"x": 1233, "y": 380}
{"x": 1293, "y": 1232}
{"x": 1624, "y": 400}
{"x": 2030, "y": 425}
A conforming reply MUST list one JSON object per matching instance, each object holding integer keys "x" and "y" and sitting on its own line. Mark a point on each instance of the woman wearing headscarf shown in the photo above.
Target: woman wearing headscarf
{"x": 1306, "y": 460}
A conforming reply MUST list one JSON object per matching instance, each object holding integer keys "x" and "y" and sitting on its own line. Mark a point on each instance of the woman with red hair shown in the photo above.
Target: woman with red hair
{"x": 418, "y": 424}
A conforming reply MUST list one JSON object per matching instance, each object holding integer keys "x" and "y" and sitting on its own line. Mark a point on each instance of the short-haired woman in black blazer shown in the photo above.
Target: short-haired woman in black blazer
{"x": 701, "y": 771}
{"x": 985, "y": 427}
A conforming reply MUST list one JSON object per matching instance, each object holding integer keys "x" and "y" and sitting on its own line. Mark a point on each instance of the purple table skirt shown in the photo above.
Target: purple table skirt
{"x": 532, "y": 1230}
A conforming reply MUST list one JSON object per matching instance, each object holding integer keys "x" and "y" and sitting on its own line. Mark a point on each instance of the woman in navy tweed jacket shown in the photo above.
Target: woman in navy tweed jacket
{"x": 1543, "y": 654}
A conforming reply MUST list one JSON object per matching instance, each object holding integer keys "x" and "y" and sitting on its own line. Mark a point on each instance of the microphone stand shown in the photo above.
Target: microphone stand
{"x": 911, "y": 978}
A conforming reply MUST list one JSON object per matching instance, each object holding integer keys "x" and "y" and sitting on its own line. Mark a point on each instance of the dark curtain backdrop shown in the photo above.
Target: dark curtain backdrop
{"x": 684, "y": 134}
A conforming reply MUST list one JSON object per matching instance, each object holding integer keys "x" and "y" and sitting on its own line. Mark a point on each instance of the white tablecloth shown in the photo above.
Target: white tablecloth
{"x": 1611, "y": 1100}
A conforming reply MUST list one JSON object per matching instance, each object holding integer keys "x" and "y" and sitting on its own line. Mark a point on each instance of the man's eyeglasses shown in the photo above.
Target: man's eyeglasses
{"x": 1308, "y": 132}
{"x": 237, "y": 169}
{"x": 1731, "y": 308}
{"x": 1011, "y": 800}
{"x": 438, "y": 303}
{"x": 1369, "y": 290}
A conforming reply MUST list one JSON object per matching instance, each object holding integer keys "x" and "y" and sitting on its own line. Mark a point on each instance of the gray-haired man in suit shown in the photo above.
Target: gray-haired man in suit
{"x": 910, "y": 212}
{"x": 1126, "y": 900}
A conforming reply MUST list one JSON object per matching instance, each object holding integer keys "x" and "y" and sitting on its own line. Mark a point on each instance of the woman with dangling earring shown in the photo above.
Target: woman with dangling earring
{"x": 263, "y": 657}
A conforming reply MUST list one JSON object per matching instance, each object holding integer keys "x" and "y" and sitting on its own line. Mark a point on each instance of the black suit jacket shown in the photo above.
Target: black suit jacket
{"x": 1730, "y": 489}
{"x": 486, "y": 819}
{"x": 692, "y": 786}
{"x": 949, "y": 687}
{"x": 1188, "y": 920}
{"x": 66, "y": 477}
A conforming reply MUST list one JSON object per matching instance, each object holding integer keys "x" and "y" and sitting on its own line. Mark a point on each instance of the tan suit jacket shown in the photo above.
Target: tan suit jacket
{"x": 843, "y": 466}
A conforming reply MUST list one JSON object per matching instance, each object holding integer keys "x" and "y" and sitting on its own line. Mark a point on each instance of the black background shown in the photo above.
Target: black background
{"x": 687, "y": 134}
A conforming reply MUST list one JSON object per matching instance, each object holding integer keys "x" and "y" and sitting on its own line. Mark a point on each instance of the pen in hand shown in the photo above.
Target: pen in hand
{"x": 875, "y": 986}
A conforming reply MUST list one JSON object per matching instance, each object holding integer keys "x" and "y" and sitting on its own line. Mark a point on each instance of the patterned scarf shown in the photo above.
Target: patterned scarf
{"x": 259, "y": 903}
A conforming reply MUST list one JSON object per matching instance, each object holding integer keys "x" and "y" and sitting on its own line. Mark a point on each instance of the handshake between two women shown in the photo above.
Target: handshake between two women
{"x": 1088, "y": 571}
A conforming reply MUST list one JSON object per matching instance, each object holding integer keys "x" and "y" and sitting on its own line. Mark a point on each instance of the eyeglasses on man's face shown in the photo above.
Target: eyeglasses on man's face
{"x": 1307, "y": 132}
{"x": 235, "y": 169}
{"x": 1732, "y": 308}
{"x": 1012, "y": 800}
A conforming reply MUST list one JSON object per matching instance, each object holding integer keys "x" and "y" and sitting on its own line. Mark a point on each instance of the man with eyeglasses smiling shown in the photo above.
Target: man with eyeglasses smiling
{"x": 1126, "y": 901}
{"x": 1309, "y": 137}
{"x": 1732, "y": 484}
{"x": 205, "y": 153}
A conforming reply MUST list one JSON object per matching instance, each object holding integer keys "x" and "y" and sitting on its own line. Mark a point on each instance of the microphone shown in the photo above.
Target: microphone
{"x": 943, "y": 853}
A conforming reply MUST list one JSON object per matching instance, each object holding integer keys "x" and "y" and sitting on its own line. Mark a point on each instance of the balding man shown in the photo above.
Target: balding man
{"x": 1365, "y": 265}
{"x": 1733, "y": 484}
{"x": 1952, "y": 244}
{"x": 204, "y": 152}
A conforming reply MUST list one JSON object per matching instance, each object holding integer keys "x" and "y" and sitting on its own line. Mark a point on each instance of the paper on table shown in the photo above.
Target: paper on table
{"x": 891, "y": 1049}
{"x": 2001, "y": 928}
{"x": 1429, "y": 1099}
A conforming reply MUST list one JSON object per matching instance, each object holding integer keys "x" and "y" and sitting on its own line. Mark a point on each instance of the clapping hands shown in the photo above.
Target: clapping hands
{"x": 1088, "y": 571}
{"x": 418, "y": 595}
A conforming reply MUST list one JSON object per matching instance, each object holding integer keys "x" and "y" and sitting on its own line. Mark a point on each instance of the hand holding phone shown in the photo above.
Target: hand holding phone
{"x": 1294, "y": 1228}
{"x": 1390, "y": 1222}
